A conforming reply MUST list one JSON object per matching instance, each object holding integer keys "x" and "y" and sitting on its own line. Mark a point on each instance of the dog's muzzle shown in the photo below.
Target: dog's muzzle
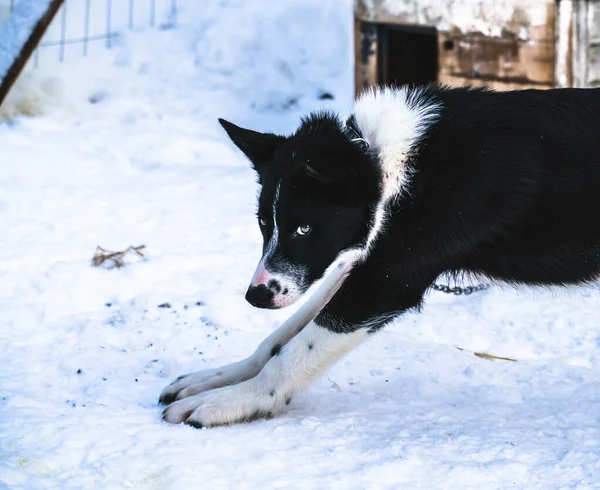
{"x": 263, "y": 288}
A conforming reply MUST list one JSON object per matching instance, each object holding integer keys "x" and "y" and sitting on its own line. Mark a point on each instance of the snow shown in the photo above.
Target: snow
{"x": 17, "y": 28}
{"x": 129, "y": 152}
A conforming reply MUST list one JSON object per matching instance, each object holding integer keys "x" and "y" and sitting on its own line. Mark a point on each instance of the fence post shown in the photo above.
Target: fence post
{"x": 28, "y": 47}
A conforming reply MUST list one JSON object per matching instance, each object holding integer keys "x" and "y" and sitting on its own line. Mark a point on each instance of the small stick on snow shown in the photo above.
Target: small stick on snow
{"x": 114, "y": 259}
{"x": 488, "y": 356}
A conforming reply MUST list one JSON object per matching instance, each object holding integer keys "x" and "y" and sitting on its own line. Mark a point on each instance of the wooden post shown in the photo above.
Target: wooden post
{"x": 28, "y": 48}
{"x": 365, "y": 55}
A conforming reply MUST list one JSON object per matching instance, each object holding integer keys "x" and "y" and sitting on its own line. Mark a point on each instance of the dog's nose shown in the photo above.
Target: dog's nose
{"x": 260, "y": 296}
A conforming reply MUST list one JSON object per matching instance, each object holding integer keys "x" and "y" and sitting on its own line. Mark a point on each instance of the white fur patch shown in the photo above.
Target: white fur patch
{"x": 392, "y": 122}
{"x": 272, "y": 245}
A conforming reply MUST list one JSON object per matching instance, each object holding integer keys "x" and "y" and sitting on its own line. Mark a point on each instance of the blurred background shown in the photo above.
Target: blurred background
{"x": 277, "y": 52}
{"x": 276, "y": 56}
{"x": 505, "y": 44}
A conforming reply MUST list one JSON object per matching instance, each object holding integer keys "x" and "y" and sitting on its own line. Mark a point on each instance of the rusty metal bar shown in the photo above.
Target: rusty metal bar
{"x": 28, "y": 48}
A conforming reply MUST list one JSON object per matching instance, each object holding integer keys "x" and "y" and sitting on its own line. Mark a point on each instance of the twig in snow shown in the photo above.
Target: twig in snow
{"x": 110, "y": 260}
{"x": 488, "y": 356}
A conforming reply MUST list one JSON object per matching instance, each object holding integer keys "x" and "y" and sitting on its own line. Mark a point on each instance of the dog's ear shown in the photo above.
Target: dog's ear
{"x": 328, "y": 173}
{"x": 258, "y": 147}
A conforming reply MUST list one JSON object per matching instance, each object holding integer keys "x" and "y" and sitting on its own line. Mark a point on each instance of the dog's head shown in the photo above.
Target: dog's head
{"x": 318, "y": 192}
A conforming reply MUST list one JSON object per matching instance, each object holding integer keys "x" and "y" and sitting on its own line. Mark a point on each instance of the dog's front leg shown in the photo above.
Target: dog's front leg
{"x": 295, "y": 365}
{"x": 208, "y": 379}
{"x": 201, "y": 381}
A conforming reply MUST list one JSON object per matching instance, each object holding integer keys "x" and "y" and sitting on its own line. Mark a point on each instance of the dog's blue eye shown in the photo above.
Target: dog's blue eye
{"x": 262, "y": 222}
{"x": 303, "y": 230}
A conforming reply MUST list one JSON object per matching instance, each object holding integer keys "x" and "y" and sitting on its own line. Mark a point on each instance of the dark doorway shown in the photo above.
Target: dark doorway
{"x": 407, "y": 55}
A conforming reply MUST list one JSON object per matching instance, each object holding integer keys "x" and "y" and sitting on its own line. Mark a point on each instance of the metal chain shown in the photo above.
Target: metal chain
{"x": 458, "y": 290}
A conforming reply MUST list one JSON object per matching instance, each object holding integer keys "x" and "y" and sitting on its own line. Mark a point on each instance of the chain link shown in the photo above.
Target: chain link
{"x": 458, "y": 290}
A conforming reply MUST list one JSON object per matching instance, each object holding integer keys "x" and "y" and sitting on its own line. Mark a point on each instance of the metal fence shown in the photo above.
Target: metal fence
{"x": 67, "y": 17}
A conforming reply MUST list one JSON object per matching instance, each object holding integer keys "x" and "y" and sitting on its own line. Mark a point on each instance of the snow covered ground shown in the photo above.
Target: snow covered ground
{"x": 127, "y": 151}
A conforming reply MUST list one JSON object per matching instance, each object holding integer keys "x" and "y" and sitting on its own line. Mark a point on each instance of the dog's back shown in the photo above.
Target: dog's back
{"x": 506, "y": 184}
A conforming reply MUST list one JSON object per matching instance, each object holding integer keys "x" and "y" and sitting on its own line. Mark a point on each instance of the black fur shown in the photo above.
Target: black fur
{"x": 276, "y": 350}
{"x": 505, "y": 184}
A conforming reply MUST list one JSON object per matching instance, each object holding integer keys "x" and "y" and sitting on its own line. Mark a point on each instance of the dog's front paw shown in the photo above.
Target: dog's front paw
{"x": 240, "y": 403}
{"x": 192, "y": 384}
{"x": 209, "y": 379}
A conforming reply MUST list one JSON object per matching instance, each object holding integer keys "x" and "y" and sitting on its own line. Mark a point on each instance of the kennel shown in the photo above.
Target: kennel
{"x": 503, "y": 44}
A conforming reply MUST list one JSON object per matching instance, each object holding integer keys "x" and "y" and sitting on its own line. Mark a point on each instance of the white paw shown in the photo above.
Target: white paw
{"x": 209, "y": 379}
{"x": 232, "y": 404}
{"x": 191, "y": 384}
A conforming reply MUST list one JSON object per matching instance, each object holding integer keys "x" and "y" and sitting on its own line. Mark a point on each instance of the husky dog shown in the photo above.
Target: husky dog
{"x": 416, "y": 183}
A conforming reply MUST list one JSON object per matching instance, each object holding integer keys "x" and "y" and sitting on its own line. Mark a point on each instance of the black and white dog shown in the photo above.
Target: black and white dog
{"x": 416, "y": 183}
